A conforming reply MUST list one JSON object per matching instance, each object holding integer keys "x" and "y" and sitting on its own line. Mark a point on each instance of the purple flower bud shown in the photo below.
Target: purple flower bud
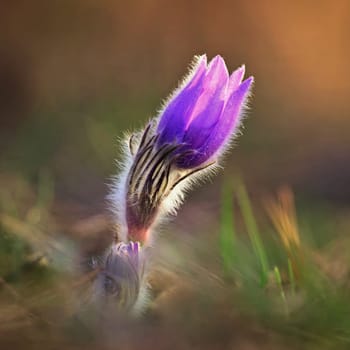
{"x": 121, "y": 275}
{"x": 185, "y": 141}
{"x": 204, "y": 113}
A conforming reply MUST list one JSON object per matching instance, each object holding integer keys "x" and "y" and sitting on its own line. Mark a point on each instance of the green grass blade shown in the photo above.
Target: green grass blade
{"x": 291, "y": 276}
{"x": 227, "y": 230}
{"x": 278, "y": 279}
{"x": 252, "y": 228}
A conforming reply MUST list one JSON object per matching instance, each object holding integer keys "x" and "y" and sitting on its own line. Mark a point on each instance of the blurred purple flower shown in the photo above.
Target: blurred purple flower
{"x": 121, "y": 275}
{"x": 129, "y": 253}
{"x": 204, "y": 113}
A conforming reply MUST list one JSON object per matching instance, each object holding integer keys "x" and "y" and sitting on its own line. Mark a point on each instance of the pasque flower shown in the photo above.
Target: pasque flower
{"x": 119, "y": 283}
{"x": 184, "y": 142}
{"x": 205, "y": 112}
{"x": 189, "y": 135}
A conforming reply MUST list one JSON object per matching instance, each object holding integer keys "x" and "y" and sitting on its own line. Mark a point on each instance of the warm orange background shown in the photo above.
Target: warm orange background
{"x": 81, "y": 72}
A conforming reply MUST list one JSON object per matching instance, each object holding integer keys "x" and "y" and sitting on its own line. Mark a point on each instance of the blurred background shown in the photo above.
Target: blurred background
{"x": 75, "y": 75}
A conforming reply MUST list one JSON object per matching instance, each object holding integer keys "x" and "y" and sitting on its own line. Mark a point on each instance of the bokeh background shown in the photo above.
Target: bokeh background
{"x": 75, "y": 75}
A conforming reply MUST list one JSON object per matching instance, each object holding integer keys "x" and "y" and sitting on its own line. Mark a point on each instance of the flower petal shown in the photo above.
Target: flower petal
{"x": 207, "y": 110}
{"x": 214, "y": 82}
{"x": 201, "y": 127}
{"x": 224, "y": 128}
{"x": 174, "y": 118}
{"x": 235, "y": 79}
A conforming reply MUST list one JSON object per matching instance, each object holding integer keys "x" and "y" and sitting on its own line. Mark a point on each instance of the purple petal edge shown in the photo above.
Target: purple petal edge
{"x": 174, "y": 118}
{"x": 223, "y": 129}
